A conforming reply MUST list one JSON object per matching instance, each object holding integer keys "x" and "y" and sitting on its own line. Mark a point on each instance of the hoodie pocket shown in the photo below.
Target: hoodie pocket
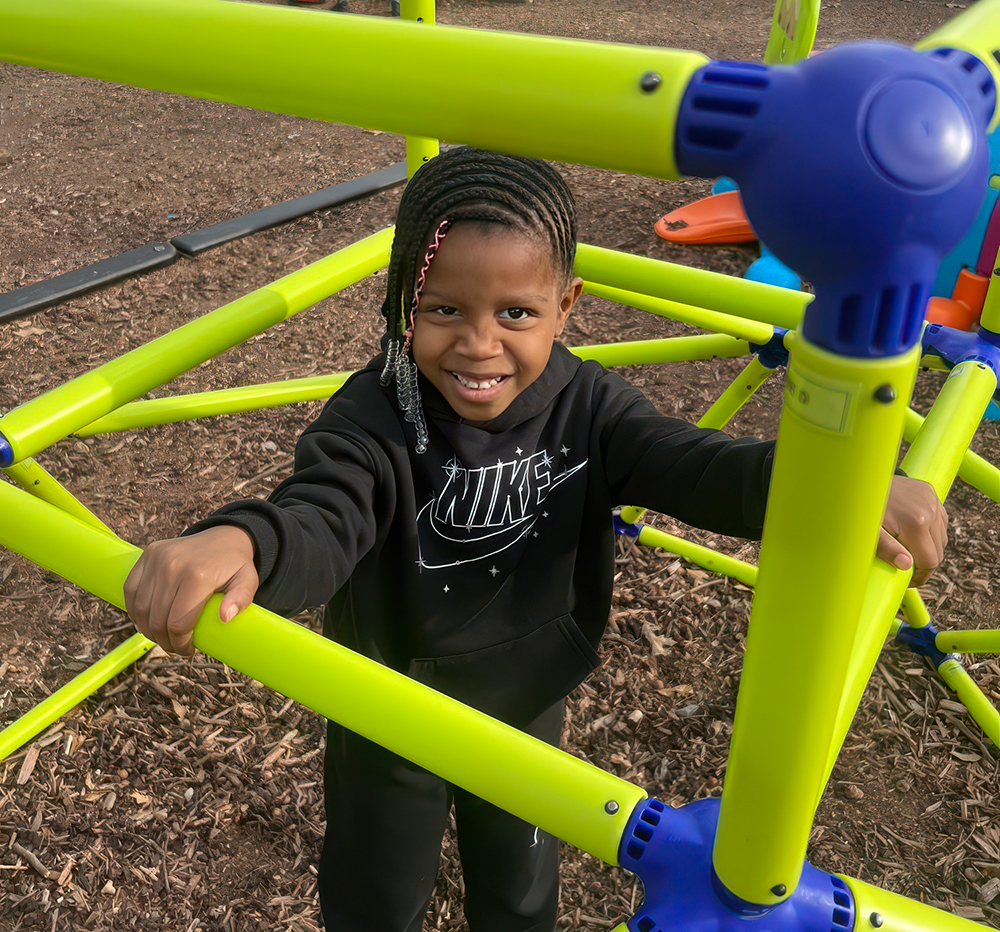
{"x": 517, "y": 680}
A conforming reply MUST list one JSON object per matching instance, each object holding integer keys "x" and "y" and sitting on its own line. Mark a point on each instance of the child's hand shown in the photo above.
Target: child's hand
{"x": 169, "y": 586}
{"x": 914, "y": 528}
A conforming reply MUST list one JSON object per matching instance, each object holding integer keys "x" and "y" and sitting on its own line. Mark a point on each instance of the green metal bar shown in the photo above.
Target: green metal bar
{"x": 938, "y": 449}
{"x": 878, "y": 910}
{"x": 971, "y": 696}
{"x": 39, "y": 482}
{"x": 175, "y": 408}
{"x": 699, "y": 555}
{"x": 886, "y": 589}
{"x": 976, "y": 471}
{"x": 976, "y": 30}
{"x": 39, "y": 423}
{"x": 934, "y": 457}
{"x": 552, "y": 96}
{"x": 419, "y": 149}
{"x": 671, "y": 349}
{"x": 968, "y": 642}
{"x": 153, "y": 411}
{"x": 793, "y": 30}
{"x": 20, "y": 732}
{"x": 835, "y": 453}
{"x": 737, "y": 327}
{"x": 538, "y": 783}
{"x": 738, "y": 297}
{"x": 754, "y": 374}
{"x": 915, "y": 610}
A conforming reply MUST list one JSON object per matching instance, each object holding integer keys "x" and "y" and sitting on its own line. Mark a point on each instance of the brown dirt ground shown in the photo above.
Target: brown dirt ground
{"x": 184, "y": 797}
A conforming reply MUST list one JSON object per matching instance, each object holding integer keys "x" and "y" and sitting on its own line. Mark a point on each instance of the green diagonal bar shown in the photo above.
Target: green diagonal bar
{"x": 39, "y": 423}
{"x": 541, "y": 784}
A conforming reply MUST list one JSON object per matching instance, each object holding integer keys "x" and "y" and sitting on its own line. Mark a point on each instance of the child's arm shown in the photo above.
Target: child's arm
{"x": 914, "y": 528}
{"x": 709, "y": 480}
{"x": 170, "y": 584}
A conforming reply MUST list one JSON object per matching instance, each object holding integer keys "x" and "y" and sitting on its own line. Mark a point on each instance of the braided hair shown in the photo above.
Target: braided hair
{"x": 465, "y": 185}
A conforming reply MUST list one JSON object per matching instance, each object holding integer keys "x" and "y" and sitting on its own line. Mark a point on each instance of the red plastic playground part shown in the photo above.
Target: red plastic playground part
{"x": 963, "y": 308}
{"x": 719, "y": 218}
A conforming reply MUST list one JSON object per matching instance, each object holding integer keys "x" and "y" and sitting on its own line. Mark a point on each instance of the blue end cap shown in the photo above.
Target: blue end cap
{"x": 922, "y": 641}
{"x": 6, "y": 453}
{"x": 623, "y": 527}
{"x": 957, "y": 346}
{"x": 859, "y": 167}
{"x": 772, "y": 353}
{"x": 670, "y": 850}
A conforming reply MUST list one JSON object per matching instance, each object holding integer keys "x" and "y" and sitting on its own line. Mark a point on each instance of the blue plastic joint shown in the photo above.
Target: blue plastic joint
{"x": 860, "y": 168}
{"x": 6, "y": 453}
{"x": 772, "y": 353}
{"x": 623, "y": 527}
{"x": 670, "y": 851}
{"x": 957, "y": 346}
{"x": 922, "y": 641}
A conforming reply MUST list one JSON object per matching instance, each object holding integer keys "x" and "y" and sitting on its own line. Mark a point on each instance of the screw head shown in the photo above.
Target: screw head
{"x": 779, "y": 889}
{"x": 159, "y": 248}
{"x": 650, "y": 81}
{"x": 885, "y": 394}
{"x": 876, "y": 920}
{"x": 611, "y": 807}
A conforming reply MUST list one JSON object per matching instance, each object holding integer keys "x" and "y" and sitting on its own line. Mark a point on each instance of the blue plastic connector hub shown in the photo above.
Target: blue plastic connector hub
{"x": 623, "y": 527}
{"x": 6, "y": 453}
{"x": 670, "y": 850}
{"x": 922, "y": 641}
{"x": 772, "y": 353}
{"x": 957, "y": 346}
{"x": 859, "y": 167}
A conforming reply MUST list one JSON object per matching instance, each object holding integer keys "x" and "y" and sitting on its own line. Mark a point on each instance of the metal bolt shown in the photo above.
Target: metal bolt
{"x": 876, "y": 920}
{"x": 650, "y": 81}
{"x": 885, "y": 394}
{"x": 779, "y": 889}
{"x": 611, "y": 807}
{"x": 159, "y": 248}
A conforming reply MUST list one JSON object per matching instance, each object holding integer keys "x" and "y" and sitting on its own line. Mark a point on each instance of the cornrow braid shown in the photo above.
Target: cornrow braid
{"x": 476, "y": 186}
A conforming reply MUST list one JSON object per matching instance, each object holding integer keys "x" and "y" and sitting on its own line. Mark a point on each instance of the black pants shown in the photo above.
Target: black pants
{"x": 385, "y": 819}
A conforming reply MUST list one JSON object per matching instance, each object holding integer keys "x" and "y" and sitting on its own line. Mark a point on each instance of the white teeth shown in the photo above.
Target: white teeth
{"x": 469, "y": 383}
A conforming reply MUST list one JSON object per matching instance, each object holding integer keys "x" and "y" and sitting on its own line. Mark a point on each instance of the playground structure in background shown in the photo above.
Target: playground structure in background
{"x": 852, "y": 354}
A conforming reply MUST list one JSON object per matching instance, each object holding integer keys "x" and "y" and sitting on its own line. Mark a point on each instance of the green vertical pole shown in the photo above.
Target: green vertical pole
{"x": 835, "y": 454}
{"x": 419, "y": 149}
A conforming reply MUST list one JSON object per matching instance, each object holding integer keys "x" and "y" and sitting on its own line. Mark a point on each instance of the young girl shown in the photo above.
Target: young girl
{"x": 451, "y": 506}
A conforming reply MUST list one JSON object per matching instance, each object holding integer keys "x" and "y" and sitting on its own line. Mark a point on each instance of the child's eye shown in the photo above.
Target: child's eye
{"x": 444, "y": 311}
{"x": 515, "y": 313}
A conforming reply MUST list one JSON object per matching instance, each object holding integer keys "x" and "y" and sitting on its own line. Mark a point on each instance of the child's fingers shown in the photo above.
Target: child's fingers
{"x": 239, "y": 592}
{"x": 136, "y": 599}
{"x": 892, "y": 551}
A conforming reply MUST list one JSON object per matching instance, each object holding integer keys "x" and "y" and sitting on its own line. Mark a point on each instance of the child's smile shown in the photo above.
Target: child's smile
{"x": 491, "y": 306}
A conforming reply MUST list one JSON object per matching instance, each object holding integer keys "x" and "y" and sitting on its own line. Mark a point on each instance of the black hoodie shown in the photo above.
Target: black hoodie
{"x": 483, "y": 567}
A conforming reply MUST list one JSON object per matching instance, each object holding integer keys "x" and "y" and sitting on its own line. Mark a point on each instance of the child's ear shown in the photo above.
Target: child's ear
{"x": 566, "y": 305}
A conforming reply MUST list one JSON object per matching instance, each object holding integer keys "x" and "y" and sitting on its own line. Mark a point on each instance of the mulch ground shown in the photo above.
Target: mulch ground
{"x": 182, "y": 796}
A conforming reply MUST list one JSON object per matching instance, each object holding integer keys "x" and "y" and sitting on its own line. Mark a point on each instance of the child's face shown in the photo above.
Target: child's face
{"x": 491, "y": 306}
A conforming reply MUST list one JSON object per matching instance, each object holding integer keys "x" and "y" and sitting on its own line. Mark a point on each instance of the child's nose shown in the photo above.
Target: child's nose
{"x": 481, "y": 340}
